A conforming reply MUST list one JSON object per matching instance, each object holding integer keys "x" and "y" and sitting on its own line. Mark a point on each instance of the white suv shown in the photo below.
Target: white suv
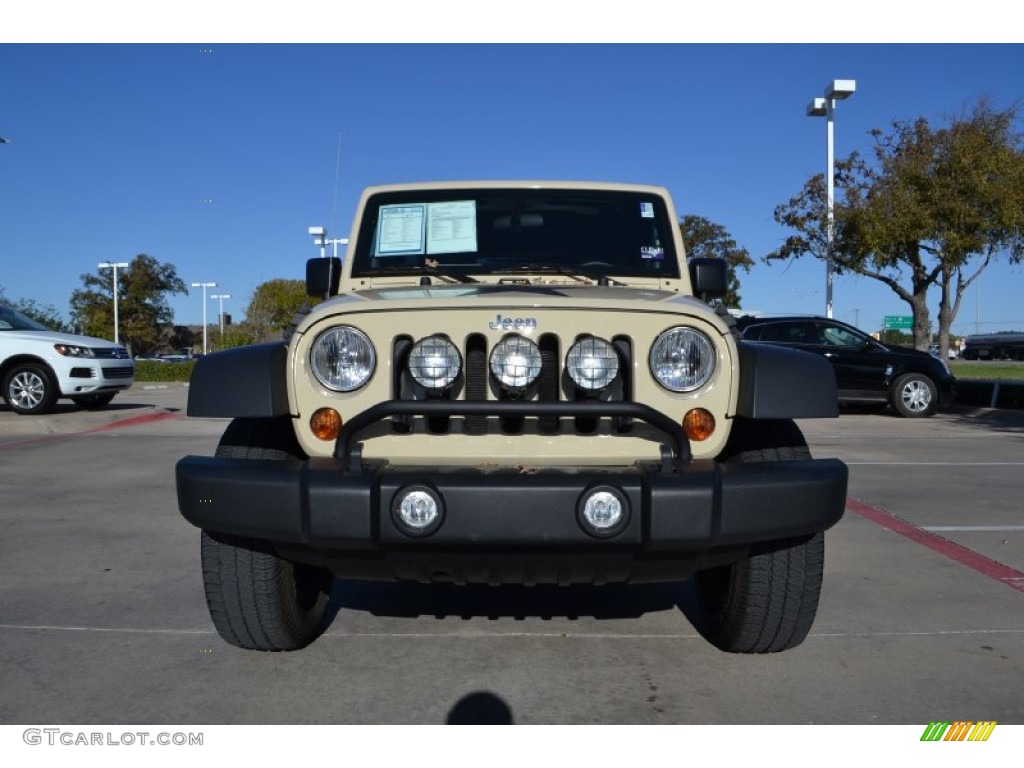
{"x": 39, "y": 365}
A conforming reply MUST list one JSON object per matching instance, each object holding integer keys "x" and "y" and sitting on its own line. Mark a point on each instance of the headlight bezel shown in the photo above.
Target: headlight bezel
{"x": 328, "y": 381}
{"x": 663, "y": 346}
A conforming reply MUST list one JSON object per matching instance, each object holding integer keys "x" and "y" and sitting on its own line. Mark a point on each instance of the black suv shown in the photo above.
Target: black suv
{"x": 914, "y": 383}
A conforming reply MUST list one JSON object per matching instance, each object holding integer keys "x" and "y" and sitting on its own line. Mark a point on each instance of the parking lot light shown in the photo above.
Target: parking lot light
{"x": 204, "y": 286}
{"x": 114, "y": 265}
{"x": 826, "y": 107}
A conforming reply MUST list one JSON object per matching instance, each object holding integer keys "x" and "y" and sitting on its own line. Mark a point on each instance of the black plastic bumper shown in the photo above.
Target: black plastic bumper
{"x": 700, "y": 507}
{"x": 341, "y": 512}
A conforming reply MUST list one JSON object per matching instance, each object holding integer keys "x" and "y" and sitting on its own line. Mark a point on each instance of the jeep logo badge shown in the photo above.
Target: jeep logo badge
{"x": 512, "y": 323}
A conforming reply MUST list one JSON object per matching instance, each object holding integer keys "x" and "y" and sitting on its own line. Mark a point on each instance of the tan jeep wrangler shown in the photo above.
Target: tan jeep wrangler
{"x": 513, "y": 382}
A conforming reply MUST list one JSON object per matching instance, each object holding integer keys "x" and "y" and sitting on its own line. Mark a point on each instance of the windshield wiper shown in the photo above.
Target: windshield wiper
{"x": 576, "y": 273}
{"x": 422, "y": 269}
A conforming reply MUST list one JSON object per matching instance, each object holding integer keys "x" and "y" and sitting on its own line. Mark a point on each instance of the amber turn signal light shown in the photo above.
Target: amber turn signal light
{"x": 698, "y": 424}
{"x": 325, "y": 423}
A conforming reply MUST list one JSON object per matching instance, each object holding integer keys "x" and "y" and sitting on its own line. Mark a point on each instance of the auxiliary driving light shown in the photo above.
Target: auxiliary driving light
{"x": 434, "y": 362}
{"x": 602, "y": 512}
{"x": 592, "y": 363}
{"x": 417, "y": 510}
{"x": 515, "y": 362}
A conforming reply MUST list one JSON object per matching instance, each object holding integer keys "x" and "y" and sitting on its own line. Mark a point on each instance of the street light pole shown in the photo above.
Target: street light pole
{"x": 114, "y": 266}
{"x": 320, "y": 238}
{"x": 826, "y": 107}
{"x": 204, "y": 286}
{"x": 220, "y": 315}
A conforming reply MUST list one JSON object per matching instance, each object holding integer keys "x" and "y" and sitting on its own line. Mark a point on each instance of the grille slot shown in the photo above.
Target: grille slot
{"x": 476, "y": 380}
{"x": 547, "y": 383}
{"x": 123, "y": 372}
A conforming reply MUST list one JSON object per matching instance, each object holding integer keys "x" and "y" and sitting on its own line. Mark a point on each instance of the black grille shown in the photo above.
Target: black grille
{"x": 476, "y": 385}
{"x": 82, "y": 373}
{"x": 122, "y": 372}
{"x": 111, "y": 353}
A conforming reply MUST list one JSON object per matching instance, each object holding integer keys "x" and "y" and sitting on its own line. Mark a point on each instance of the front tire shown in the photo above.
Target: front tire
{"x": 30, "y": 389}
{"x": 257, "y": 599}
{"x": 767, "y": 602}
{"x": 913, "y": 396}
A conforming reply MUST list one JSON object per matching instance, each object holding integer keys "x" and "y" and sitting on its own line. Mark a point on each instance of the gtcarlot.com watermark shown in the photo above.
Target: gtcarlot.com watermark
{"x": 68, "y": 738}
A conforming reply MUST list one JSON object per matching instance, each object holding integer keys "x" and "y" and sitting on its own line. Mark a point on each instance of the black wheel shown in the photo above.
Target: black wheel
{"x": 257, "y": 599}
{"x": 913, "y": 395}
{"x": 93, "y": 402}
{"x": 29, "y": 388}
{"x": 767, "y": 602}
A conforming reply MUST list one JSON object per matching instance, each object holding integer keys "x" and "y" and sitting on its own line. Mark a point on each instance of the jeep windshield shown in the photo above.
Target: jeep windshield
{"x": 579, "y": 234}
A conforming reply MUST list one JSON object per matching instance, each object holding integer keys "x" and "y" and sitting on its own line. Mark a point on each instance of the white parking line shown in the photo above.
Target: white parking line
{"x": 972, "y": 528}
{"x": 934, "y": 463}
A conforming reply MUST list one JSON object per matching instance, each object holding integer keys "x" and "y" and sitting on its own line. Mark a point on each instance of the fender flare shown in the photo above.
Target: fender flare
{"x": 782, "y": 383}
{"x": 244, "y": 382}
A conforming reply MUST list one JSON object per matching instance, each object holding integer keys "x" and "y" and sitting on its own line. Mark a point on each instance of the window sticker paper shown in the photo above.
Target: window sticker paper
{"x": 402, "y": 229}
{"x": 652, "y": 252}
{"x": 451, "y": 227}
{"x": 646, "y": 210}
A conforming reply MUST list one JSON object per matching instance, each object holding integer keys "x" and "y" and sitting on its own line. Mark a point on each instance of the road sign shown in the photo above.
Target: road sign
{"x": 899, "y": 322}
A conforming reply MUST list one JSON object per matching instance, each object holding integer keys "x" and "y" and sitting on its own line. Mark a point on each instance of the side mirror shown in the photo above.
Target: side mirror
{"x": 322, "y": 277}
{"x": 709, "y": 278}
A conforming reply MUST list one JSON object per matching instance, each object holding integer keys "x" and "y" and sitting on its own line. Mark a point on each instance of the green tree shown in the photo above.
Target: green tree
{"x": 934, "y": 209}
{"x": 272, "y": 308}
{"x": 143, "y": 309}
{"x": 706, "y": 239}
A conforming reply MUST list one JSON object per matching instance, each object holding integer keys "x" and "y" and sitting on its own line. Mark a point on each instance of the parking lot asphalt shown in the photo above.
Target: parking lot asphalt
{"x": 103, "y": 619}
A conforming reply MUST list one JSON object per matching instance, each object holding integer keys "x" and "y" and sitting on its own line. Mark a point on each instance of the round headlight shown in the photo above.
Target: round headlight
{"x": 342, "y": 358}
{"x": 515, "y": 362}
{"x": 434, "y": 362}
{"x": 682, "y": 359}
{"x": 592, "y": 363}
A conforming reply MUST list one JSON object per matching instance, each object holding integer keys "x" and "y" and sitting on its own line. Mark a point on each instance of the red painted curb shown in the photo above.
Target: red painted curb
{"x": 1004, "y": 574}
{"x": 133, "y": 421}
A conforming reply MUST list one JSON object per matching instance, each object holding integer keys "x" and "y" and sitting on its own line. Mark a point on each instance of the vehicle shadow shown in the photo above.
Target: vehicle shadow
{"x": 412, "y": 600}
{"x": 992, "y": 420}
{"x": 114, "y": 406}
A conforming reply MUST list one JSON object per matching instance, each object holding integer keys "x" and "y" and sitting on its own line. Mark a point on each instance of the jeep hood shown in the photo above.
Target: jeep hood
{"x": 508, "y": 295}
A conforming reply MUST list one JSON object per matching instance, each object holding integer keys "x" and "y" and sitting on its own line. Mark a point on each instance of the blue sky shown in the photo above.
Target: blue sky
{"x": 113, "y": 149}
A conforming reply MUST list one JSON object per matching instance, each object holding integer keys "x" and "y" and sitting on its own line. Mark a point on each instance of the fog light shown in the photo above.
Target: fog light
{"x": 418, "y": 511}
{"x": 603, "y": 512}
{"x": 325, "y": 423}
{"x": 698, "y": 424}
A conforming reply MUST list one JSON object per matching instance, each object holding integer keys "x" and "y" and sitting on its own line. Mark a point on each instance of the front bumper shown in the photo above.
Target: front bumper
{"x": 88, "y": 376}
{"x": 507, "y": 523}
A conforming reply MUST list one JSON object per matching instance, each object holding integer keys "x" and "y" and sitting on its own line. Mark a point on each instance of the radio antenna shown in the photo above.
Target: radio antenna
{"x": 337, "y": 178}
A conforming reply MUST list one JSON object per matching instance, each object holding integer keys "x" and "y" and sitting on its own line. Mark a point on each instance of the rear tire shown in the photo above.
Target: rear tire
{"x": 258, "y": 600}
{"x": 767, "y": 602}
